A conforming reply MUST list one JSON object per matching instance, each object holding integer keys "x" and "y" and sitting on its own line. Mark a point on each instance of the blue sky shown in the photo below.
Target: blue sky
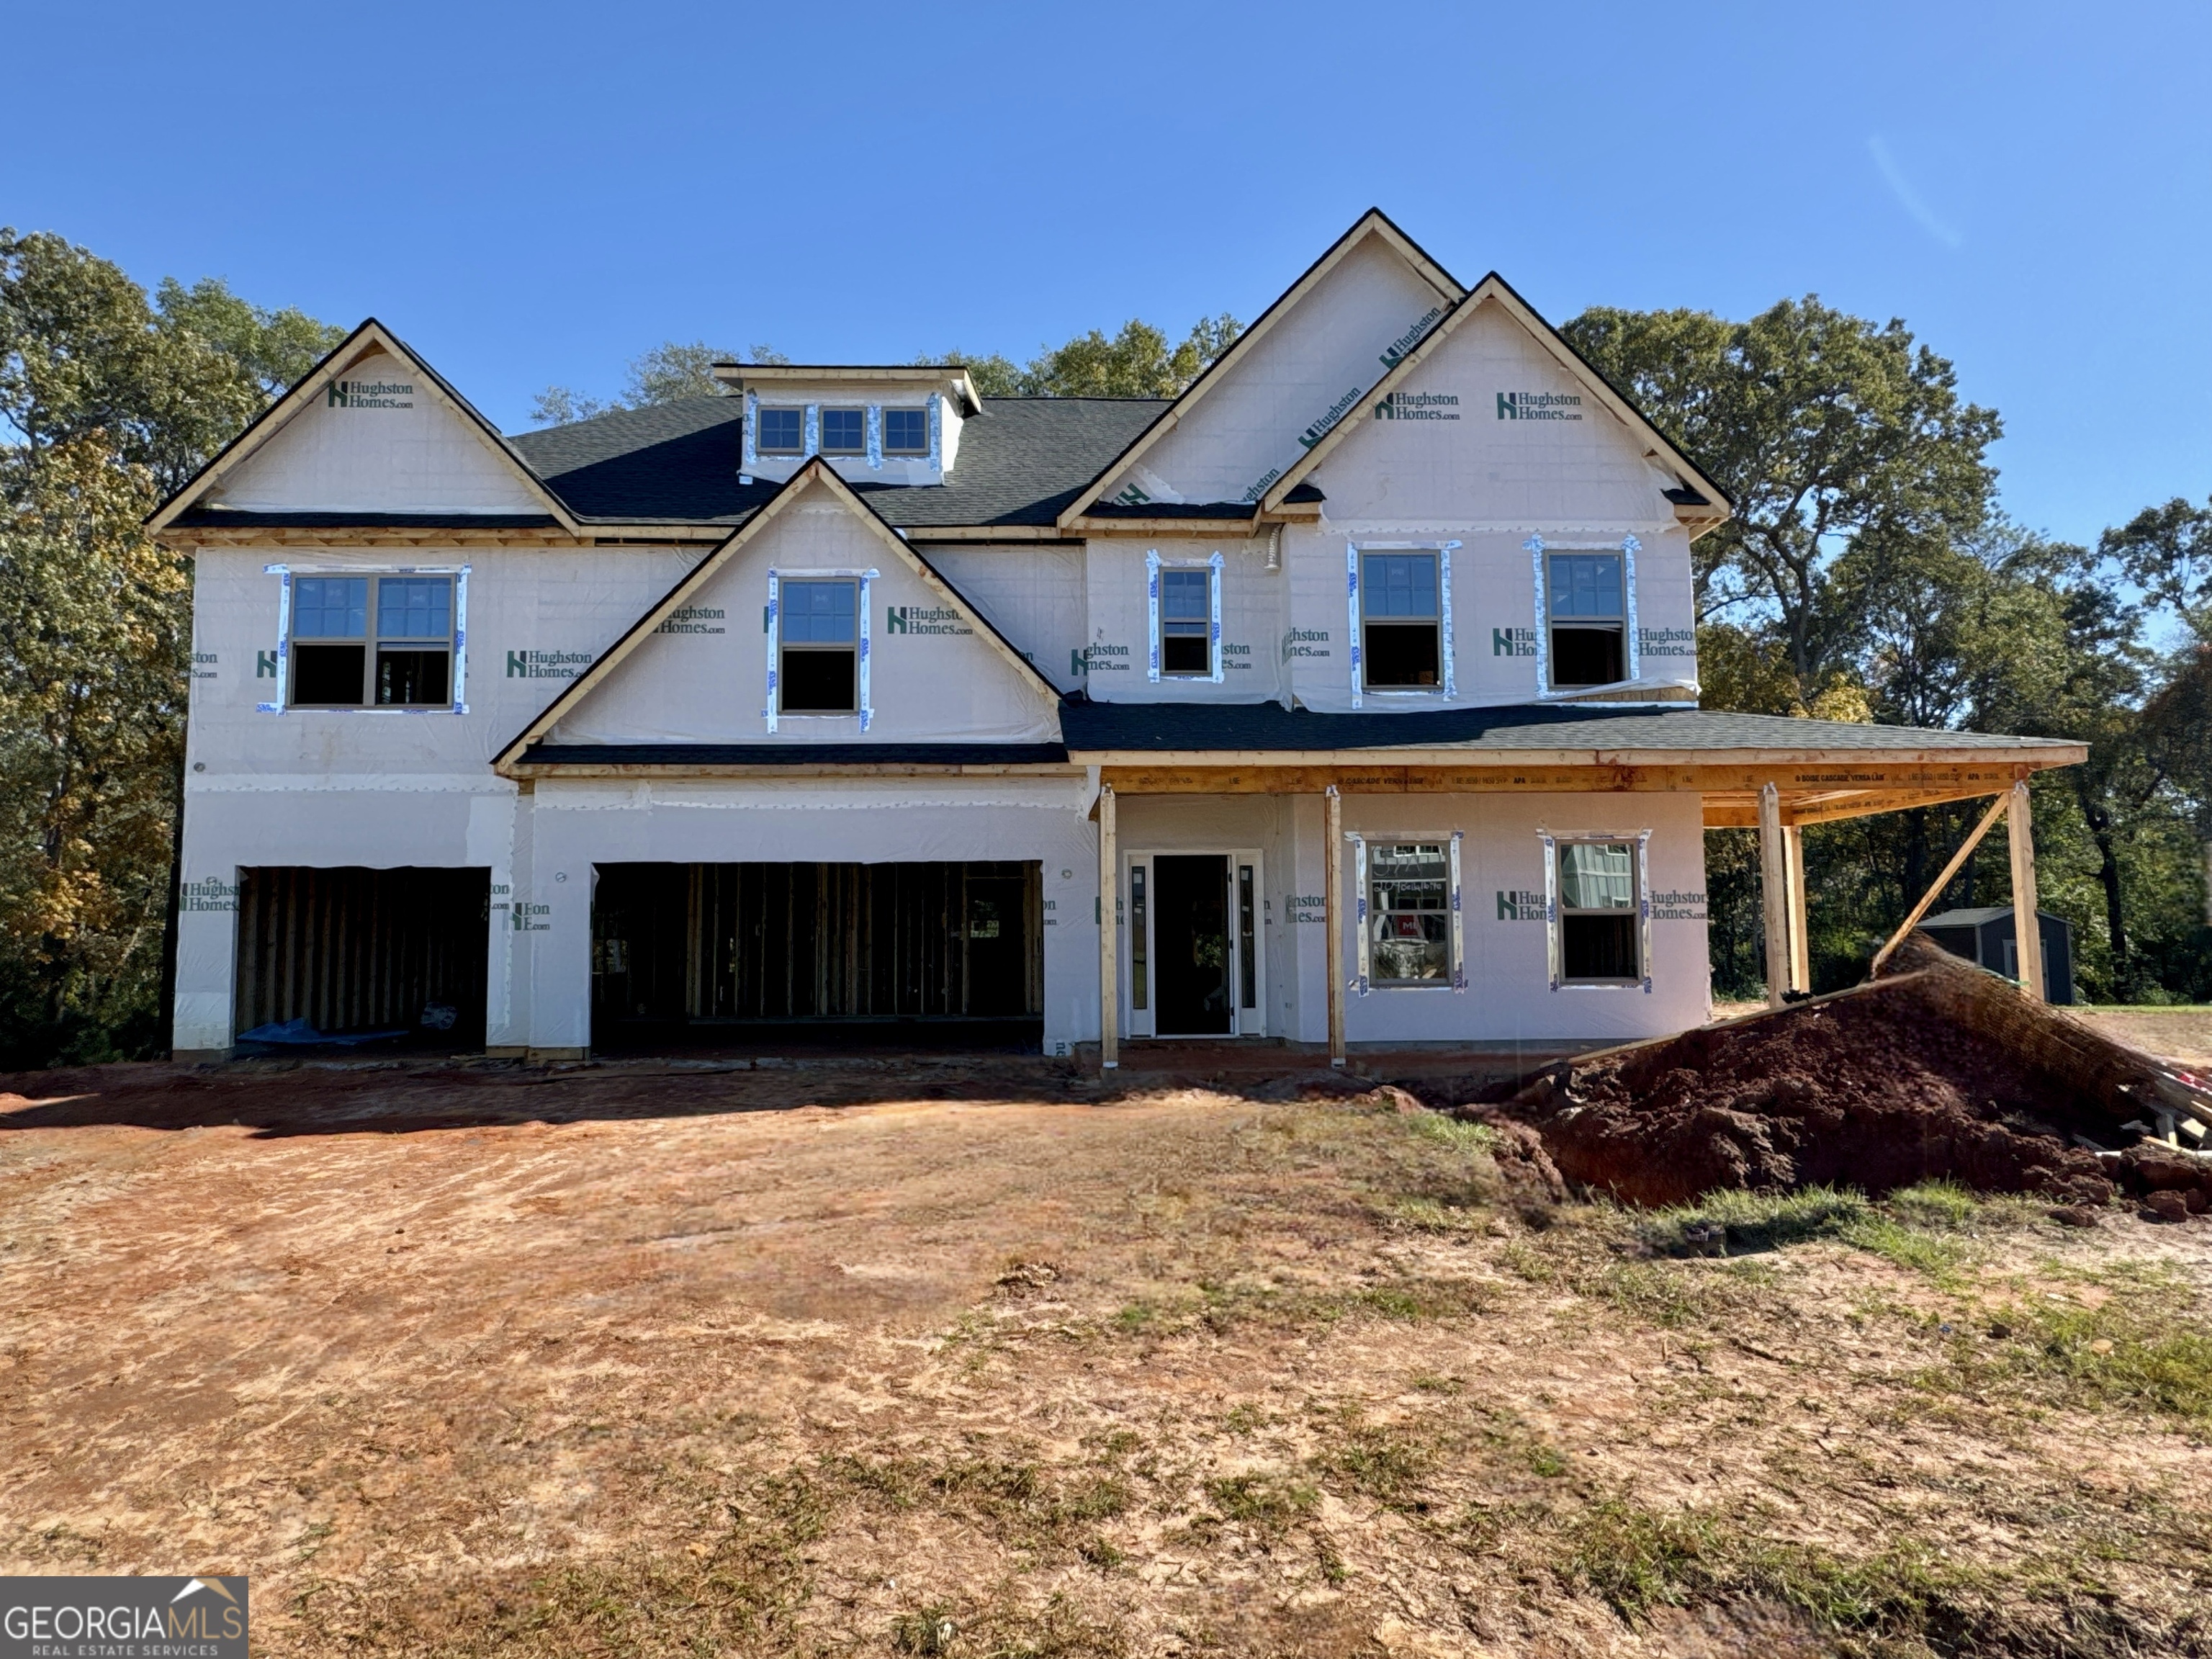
{"x": 537, "y": 194}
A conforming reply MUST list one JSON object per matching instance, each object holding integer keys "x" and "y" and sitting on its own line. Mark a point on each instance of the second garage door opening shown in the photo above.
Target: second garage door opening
{"x": 747, "y": 954}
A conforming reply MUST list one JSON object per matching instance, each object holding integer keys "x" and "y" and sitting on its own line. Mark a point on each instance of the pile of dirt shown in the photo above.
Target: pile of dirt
{"x": 1918, "y": 1077}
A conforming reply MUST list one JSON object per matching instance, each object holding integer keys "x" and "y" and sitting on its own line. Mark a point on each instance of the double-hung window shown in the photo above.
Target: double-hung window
{"x": 371, "y": 642}
{"x": 844, "y": 431}
{"x": 1402, "y": 631}
{"x": 819, "y": 649}
{"x": 1186, "y": 623}
{"x": 906, "y": 431}
{"x": 1409, "y": 912}
{"x": 1598, "y": 911}
{"x": 779, "y": 431}
{"x": 1586, "y": 602}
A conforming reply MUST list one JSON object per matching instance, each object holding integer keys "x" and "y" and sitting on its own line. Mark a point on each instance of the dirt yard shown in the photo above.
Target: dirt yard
{"x": 914, "y": 1358}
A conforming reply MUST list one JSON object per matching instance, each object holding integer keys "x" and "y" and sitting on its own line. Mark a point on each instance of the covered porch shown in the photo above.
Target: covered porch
{"x": 1771, "y": 774}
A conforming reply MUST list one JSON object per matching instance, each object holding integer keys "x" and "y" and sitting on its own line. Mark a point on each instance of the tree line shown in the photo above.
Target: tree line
{"x": 1870, "y": 573}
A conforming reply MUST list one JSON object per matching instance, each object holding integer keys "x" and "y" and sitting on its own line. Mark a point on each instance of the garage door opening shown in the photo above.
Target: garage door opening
{"x": 754, "y": 955}
{"x": 349, "y": 956}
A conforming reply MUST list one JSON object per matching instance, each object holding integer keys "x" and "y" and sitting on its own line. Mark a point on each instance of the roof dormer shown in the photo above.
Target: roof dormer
{"x": 893, "y": 425}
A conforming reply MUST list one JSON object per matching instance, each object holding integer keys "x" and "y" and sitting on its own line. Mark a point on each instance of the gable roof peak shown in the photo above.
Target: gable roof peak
{"x": 369, "y": 337}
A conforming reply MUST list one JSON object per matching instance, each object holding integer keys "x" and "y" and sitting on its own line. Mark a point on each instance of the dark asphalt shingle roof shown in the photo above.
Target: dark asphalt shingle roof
{"x": 1090, "y": 725}
{"x": 1021, "y": 462}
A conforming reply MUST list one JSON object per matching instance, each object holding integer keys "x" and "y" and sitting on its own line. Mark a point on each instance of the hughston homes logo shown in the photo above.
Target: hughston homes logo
{"x": 122, "y": 1618}
{"x": 923, "y": 619}
{"x": 1539, "y": 406}
{"x": 1336, "y": 412}
{"x": 1411, "y": 338}
{"x": 1418, "y": 406}
{"x": 372, "y": 394}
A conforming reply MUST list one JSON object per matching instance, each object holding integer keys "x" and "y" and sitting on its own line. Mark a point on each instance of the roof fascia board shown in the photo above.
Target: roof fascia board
{"x": 738, "y": 375}
{"x": 1373, "y": 222}
{"x": 371, "y": 335}
{"x": 817, "y": 471}
{"x": 1494, "y": 289}
{"x": 2053, "y": 754}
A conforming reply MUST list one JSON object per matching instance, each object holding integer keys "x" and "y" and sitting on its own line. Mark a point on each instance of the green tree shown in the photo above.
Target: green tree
{"x": 672, "y": 369}
{"x": 1139, "y": 362}
{"x": 168, "y": 381}
{"x": 1834, "y": 436}
{"x": 114, "y": 398}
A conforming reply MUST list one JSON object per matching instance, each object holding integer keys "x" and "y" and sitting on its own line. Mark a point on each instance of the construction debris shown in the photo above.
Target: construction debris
{"x": 1937, "y": 1070}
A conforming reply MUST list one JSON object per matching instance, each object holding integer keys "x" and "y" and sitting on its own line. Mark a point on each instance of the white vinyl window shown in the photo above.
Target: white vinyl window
{"x": 382, "y": 640}
{"x": 816, "y": 622}
{"x": 1406, "y": 906}
{"x": 1586, "y": 631}
{"x": 1598, "y": 909}
{"x": 1400, "y": 599}
{"x": 1183, "y": 609}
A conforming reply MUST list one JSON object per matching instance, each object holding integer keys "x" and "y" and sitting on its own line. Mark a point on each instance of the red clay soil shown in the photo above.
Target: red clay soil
{"x": 1874, "y": 1092}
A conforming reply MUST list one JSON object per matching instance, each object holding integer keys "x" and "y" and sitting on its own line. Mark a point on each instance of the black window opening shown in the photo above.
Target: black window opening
{"x": 844, "y": 431}
{"x": 1401, "y": 642}
{"x": 781, "y": 432}
{"x": 1587, "y": 599}
{"x": 1409, "y": 911}
{"x": 906, "y": 431}
{"x": 372, "y": 642}
{"x": 1186, "y": 623}
{"x": 818, "y": 670}
{"x": 1600, "y": 943}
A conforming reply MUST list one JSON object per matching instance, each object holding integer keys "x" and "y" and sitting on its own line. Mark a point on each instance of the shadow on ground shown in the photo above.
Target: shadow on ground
{"x": 397, "y": 1096}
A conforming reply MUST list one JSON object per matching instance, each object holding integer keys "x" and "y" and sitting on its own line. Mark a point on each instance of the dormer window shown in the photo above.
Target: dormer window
{"x": 906, "y": 431}
{"x": 844, "y": 431}
{"x": 783, "y": 432}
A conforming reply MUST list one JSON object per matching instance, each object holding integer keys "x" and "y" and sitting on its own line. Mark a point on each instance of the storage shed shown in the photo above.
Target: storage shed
{"x": 1985, "y": 937}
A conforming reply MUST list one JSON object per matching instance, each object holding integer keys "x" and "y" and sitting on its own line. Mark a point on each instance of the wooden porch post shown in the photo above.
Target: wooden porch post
{"x": 1774, "y": 894}
{"x": 2026, "y": 924}
{"x": 1333, "y": 915}
{"x": 1109, "y": 896}
{"x": 1801, "y": 949}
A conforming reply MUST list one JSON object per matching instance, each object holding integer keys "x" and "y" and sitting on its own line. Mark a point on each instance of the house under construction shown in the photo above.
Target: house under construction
{"x": 1349, "y": 698}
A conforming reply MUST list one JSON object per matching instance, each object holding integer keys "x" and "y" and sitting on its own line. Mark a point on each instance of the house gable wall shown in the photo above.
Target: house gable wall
{"x": 382, "y": 440}
{"x": 1321, "y": 357}
{"x": 935, "y": 676}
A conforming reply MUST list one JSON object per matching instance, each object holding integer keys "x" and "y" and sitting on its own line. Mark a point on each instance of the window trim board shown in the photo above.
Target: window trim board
{"x": 1153, "y": 565}
{"x": 862, "y": 654}
{"x": 459, "y": 688}
{"x": 1555, "y": 950}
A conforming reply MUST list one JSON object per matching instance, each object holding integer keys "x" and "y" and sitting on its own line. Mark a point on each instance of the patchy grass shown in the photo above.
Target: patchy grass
{"x": 2132, "y": 1352}
{"x": 1269, "y": 1502}
{"x": 1735, "y": 1220}
{"x": 1639, "y": 1559}
{"x": 1389, "y": 1465}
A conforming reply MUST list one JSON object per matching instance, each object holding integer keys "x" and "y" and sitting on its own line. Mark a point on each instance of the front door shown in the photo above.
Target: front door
{"x": 1190, "y": 945}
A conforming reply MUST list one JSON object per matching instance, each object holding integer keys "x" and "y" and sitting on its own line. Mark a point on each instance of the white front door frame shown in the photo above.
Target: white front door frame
{"x": 1144, "y": 953}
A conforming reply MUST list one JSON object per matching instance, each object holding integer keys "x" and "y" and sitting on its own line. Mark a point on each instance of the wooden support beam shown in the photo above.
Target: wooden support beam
{"x": 1935, "y": 887}
{"x": 1774, "y": 894}
{"x": 1801, "y": 949}
{"x": 1834, "y": 786}
{"x": 1332, "y": 889}
{"x": 1109, "y": 903}
{"x": 2026, "y": 924}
